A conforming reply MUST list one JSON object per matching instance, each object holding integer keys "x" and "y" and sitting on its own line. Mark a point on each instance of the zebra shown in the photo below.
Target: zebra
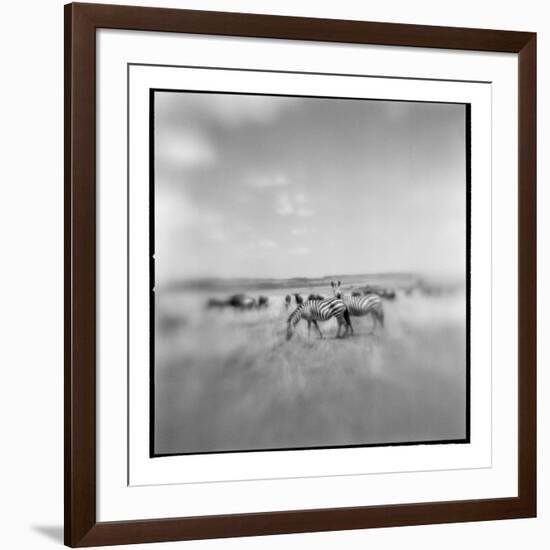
{"x": 319, "y": 310}
{"x": 358, "y": 306}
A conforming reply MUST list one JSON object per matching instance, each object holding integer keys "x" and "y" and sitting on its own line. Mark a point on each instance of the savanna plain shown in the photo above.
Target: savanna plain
{"x": 227, "y": 379}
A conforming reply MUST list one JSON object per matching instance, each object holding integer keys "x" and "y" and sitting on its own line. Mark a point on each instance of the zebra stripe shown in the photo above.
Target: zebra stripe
{"x": 358, "y": 306}
{"x": 319, "y": 310}
{"x": 361, "y": 305}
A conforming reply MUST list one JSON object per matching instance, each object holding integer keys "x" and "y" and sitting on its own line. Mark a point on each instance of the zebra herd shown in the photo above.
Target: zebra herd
{"x": 314, "y": 309}
{"x": 239, "y": 302}
{"x": 340, "y": 306}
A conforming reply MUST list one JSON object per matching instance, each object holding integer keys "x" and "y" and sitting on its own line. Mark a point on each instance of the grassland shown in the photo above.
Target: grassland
{"x": 229, "y": 380}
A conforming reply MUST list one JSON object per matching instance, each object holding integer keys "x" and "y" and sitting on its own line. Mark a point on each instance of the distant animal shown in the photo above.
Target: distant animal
{"x": 298, "y": 298}
{"x": 359, "y": 306}
{"x": 319, "y": 310}
{"x": 371, "y": 290}
{"x": 357, "y": 293}
{"x": 389, "y": 294}
{"x": 288, "y": 299}
{"x": 241, "y": 301}
{"x": 216, "y": 303}
{"x": 315, "y": 297}
{"x": 263, "y": 301}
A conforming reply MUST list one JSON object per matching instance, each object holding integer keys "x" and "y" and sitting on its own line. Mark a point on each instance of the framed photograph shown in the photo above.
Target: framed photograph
{"x": 300, "y": 274}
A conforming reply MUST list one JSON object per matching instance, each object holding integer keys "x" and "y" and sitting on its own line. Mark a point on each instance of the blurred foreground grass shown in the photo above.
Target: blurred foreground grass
{"x": 230, "y": 381}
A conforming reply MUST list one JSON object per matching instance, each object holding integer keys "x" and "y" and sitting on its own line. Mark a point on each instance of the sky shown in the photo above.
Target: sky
{"x": 267, "y": 186}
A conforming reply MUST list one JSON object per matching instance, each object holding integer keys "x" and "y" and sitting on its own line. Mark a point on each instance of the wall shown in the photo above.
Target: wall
{"x": 31, "y": 279}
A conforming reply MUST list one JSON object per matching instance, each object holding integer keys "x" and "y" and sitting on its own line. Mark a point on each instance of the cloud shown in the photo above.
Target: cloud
{"x": 299, "y": 251}
{"x": 224, "y": 109}
{"x": 183, "y": 150}
{"x": 235, "y": 110}
{"x": 182, "y": 217}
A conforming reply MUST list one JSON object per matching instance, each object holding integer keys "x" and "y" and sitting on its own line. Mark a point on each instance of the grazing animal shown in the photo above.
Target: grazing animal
{"x": 315, "y": 297}
{"x": 359, "y": 306}
{"x": 319, "y": 310}
{"x": 288, "y": 299}
{"x": 241, "y": 301}
{"x": 298, "y": 298}
{"x": 263, "y": 301}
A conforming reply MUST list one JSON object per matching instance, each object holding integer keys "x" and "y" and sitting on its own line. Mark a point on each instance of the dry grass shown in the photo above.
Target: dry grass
{"x": 230, "y": 380}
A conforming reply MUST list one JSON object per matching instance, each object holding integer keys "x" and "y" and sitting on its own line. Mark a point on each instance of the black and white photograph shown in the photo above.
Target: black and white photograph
{"x": 310, "y": 272}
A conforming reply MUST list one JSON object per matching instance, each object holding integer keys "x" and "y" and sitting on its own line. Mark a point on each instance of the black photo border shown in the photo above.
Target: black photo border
{"x": 152, "y": 327}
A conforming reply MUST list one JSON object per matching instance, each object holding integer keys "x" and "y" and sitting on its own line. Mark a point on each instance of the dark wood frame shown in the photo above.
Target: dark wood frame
{"x": 81, "y": 23}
